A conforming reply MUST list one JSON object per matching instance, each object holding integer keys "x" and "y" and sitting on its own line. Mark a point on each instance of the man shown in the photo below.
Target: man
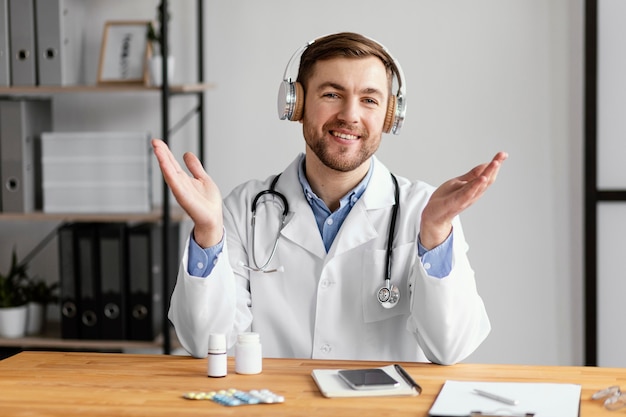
{"x": 324, "y": 283}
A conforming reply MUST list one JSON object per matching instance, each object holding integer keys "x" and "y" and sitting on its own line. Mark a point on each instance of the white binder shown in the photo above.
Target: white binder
{"x": 59, "y": 26}
{"x": 22, "y": 42}
{"x": 5, "y": 74}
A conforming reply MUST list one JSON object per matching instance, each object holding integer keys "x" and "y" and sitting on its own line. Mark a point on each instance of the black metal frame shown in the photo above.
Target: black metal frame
{"x": 166, "y": 132}
{"x": 593, "y": 195}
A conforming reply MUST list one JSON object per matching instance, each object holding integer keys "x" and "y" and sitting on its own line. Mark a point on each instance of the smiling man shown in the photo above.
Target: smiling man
{"x": 335, "y": 257}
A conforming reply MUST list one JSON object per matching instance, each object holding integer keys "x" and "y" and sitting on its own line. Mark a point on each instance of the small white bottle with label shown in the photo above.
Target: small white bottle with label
{"x": 217, "y": 363}
{"x": 248, "y": 356}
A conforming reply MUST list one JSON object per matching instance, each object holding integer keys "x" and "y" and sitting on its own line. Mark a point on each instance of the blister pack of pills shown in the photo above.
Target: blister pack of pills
{"x": 234, "y": 397}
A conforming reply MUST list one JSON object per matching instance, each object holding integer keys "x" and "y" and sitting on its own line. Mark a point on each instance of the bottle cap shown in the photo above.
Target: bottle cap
{"x": 217, "y": 343}
{"x": 248, "y": 337}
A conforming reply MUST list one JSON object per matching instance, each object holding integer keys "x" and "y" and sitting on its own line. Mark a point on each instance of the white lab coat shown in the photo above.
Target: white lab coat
{"x": 324, "y": 305}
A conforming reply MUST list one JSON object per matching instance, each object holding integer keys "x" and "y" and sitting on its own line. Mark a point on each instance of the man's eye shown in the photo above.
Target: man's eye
{"x": 331, "y": 95}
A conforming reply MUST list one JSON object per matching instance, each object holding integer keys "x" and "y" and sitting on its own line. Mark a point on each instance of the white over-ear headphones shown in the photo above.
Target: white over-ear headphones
{"x": 291, "y": 94}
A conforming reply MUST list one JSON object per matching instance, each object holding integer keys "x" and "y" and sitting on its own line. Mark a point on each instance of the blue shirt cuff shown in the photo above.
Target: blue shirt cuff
{"x": 201, "y": 261}
{"x": 437, "y": 261}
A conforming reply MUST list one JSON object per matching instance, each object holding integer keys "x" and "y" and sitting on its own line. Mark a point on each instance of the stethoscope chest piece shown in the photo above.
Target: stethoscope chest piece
{"x": 388, "y": 296}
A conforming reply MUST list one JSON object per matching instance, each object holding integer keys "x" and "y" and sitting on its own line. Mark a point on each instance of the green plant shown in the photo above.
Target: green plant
{"x": 154, "y": 31}
{"x": 13, "y": 284}
{"x": 39, "y": 291}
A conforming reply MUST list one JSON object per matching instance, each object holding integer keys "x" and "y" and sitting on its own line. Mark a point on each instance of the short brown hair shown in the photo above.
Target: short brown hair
{"x": 344, "y": 44}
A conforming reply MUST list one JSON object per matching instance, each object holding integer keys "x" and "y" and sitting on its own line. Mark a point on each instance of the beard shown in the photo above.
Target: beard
{"x": 345, "y": 159}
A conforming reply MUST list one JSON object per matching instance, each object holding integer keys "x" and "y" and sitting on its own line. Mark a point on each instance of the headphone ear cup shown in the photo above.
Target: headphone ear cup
{"x": 298, "y": 105}
{"x": 391, "y": 114}
{"x": 290, "y": 101}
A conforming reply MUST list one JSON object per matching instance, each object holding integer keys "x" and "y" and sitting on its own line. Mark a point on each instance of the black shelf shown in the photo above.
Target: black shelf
{"x": 166, "y": 215}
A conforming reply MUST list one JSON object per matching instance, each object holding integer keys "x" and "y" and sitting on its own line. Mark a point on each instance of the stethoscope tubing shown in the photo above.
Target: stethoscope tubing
{"x": 270, "y": 191}
{"x": 392, "y": 294}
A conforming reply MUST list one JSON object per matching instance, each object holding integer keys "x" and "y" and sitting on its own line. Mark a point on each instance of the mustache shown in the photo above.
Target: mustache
{"x": 346, "y": 127}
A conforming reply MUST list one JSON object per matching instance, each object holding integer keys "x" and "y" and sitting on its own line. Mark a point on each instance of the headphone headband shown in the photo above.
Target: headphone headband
{"x": 290, "y": 102}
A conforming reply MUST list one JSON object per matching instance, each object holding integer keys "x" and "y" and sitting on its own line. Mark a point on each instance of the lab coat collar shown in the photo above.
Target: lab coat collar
{"x": 380, "y": 191}
{"x": 301, "y": 227}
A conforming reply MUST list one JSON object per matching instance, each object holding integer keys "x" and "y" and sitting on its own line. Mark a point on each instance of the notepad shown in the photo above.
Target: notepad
{"x": 458, "y": 399}
{"x": 331, "y": 385}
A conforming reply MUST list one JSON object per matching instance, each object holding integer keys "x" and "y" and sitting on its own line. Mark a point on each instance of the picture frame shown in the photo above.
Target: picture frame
{"x": 124, "y": 52}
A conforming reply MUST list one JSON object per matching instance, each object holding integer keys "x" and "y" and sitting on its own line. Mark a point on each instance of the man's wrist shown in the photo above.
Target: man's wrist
{"x": 207, "y": 238}
{"x": 431, "y": 237}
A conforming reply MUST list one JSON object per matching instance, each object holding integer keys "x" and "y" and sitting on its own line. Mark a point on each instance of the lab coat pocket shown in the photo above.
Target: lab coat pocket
{"x": 374, "y": 270}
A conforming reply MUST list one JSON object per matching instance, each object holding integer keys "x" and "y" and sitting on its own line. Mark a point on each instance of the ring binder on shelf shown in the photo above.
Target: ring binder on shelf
{"x": 68, "y": 281}
{"x": 59, "y": 41}
{"x": 145, "y": 278}
{"x": 112, "y": 259}
{"x": 5, "y": 58}
{"x": 86, "y": 260}
{"x": 22, "y": 121}
{"x": 22, "y": 42}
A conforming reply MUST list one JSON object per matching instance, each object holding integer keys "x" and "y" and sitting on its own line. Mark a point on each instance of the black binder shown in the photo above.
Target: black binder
{"x": 112, "y": 271}
{"x": 86, "y": 264}
{"x": 145, "y": 278}
{"x": 143, "y": 282}
{"x": 68, "y": 283}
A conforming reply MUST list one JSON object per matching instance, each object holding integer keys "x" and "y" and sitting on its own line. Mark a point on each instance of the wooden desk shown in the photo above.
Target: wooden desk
{"x": 112, "y": 384}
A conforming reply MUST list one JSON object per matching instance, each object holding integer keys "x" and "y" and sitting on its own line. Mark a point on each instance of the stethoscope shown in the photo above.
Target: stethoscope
{"x": 271, "y": 191}
{"x": 388, "y": 295}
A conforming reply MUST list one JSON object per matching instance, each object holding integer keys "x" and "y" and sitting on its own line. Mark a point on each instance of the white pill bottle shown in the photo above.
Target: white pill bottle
{"x": 248, "y": 356}
{"x": 217, "y": 360}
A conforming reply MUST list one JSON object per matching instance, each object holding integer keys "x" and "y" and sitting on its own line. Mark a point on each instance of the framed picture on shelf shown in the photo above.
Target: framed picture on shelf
{"x": 124, "y": 53}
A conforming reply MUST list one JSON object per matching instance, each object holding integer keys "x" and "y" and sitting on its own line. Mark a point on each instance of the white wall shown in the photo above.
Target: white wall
{"x": 482, "y": 76}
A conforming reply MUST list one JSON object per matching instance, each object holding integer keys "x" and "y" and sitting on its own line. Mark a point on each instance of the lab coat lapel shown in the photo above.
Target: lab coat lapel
{"x": 300, "y": 226}
{"x": 358, "y": 228}
{"x": 361, "y": 224}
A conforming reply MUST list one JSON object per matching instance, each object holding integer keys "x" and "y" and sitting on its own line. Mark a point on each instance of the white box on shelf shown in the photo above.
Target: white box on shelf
{"x": 96, "y": 172}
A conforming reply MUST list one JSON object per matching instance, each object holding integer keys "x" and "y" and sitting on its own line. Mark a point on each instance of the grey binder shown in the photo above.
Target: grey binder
{"x": 5, "y": 74}
{"x": 22, "y": 42}
{"x": 21, "y": 123}
{"x": 59, "y": 26}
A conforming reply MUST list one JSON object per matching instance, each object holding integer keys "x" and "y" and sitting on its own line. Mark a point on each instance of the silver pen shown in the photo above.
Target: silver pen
{"x": 496, "y": 397}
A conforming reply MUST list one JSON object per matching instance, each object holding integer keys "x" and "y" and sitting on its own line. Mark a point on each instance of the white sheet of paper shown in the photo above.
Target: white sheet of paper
{"x": 457, "y": 398}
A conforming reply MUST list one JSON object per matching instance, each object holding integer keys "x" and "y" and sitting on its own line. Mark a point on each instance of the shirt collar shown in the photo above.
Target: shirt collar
{"x": 350, "y": 198}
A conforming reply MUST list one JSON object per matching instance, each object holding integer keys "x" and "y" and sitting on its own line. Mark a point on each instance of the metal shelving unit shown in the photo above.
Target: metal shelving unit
{"x": 166, "y": 215}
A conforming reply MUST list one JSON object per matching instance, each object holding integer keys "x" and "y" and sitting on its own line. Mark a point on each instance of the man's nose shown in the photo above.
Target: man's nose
{"x": 349, "y": 111}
